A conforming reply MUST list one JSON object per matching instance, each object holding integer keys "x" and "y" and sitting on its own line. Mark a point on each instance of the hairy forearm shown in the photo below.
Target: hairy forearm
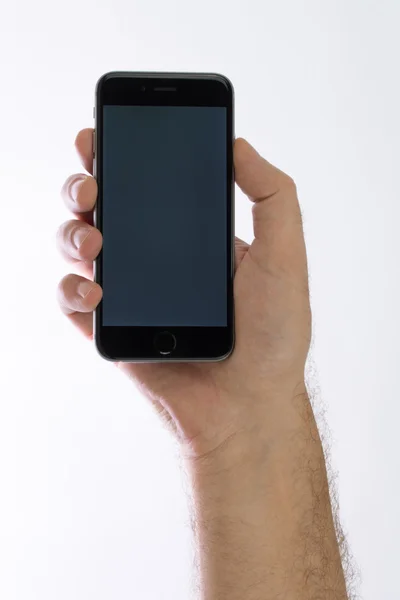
{"x": 262, "y": 513}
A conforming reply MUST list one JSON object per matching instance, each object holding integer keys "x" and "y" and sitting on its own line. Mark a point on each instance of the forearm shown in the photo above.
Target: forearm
{"x": 263, "y": 517}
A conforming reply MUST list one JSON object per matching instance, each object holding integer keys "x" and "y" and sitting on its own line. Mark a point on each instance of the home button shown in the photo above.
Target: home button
{"x": 165, "y": 342}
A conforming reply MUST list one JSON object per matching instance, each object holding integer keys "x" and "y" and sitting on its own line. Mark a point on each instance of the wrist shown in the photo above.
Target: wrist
{"x": 270, "y": 459}
{"x": 267, "y": 423}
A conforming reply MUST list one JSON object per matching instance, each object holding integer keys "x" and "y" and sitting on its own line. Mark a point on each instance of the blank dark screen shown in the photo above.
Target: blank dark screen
{"x": 164, "y": 216}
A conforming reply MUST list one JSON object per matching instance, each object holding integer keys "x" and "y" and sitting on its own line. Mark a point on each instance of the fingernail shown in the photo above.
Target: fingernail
{"x": 84, "y": 287}
{"x": 75, "y": 186}
{"x": 79, "y": 235}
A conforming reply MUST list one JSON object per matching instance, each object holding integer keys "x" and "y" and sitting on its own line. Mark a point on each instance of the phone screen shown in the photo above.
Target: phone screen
{"x": 164, "y": 203}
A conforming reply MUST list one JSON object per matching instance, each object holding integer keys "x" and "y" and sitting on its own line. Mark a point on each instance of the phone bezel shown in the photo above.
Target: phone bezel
{"x": 136, "y": 344}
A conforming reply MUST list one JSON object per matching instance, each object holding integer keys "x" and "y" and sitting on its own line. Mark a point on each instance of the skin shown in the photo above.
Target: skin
{"x": 262, "y": 513}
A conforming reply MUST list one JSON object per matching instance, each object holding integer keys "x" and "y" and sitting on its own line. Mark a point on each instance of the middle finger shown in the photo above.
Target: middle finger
{"x": 79, "y": 193}
{"x": 79, "y": 241}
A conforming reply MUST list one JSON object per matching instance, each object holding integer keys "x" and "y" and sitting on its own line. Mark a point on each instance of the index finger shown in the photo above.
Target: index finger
{"x": 84, "y": 147}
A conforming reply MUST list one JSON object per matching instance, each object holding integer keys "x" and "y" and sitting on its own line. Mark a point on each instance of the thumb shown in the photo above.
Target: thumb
{"x": 279, "y": 241}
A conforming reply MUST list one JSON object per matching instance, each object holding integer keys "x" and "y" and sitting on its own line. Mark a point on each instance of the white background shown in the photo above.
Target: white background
{"x": 92, "y": 505}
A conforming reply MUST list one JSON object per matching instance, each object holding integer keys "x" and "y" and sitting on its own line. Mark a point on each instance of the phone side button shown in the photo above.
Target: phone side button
{"x": 165, "y": 342}
{"x": 94, "y": 144}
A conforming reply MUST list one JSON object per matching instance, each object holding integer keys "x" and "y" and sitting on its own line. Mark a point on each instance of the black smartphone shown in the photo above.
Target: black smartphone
{"x": 163, "y": 160}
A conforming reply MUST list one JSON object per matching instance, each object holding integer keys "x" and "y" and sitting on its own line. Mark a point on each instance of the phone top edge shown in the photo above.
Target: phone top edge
{"x": 165, "y": 75}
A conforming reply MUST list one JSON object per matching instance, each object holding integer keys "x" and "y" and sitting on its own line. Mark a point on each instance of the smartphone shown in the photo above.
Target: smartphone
{"x": 163, "y": 161}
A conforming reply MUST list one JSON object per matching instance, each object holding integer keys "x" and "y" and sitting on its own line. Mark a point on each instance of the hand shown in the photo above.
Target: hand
{"x": 262, "y": 515}
{"x": 209, "y": 403}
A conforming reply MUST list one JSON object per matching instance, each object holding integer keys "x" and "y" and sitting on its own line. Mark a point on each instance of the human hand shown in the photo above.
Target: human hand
{"x": 207, "y": 404}
{"x": 262, "y": 514}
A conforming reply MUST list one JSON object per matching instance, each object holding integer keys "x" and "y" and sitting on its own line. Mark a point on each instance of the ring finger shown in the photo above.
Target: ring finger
{"x": 78, "y": 297}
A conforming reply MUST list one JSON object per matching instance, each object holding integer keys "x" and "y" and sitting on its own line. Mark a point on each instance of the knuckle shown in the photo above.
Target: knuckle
{"x": 61, "y": 231}
{"x": 66, "y": 283}
{"x": 64, "y": 234}
{"x": 65, "y": 293}
{"x": 78, "y": 241}
{"x": 61, "y": 291}
{"x": 289, "y": 184}
{"x": 66, "y": 185}
{"x": 59, "y": 236}
{"x": 60, "y": 239}
{"x": 71, "y": 192}
{"x": 289, "y": 192}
